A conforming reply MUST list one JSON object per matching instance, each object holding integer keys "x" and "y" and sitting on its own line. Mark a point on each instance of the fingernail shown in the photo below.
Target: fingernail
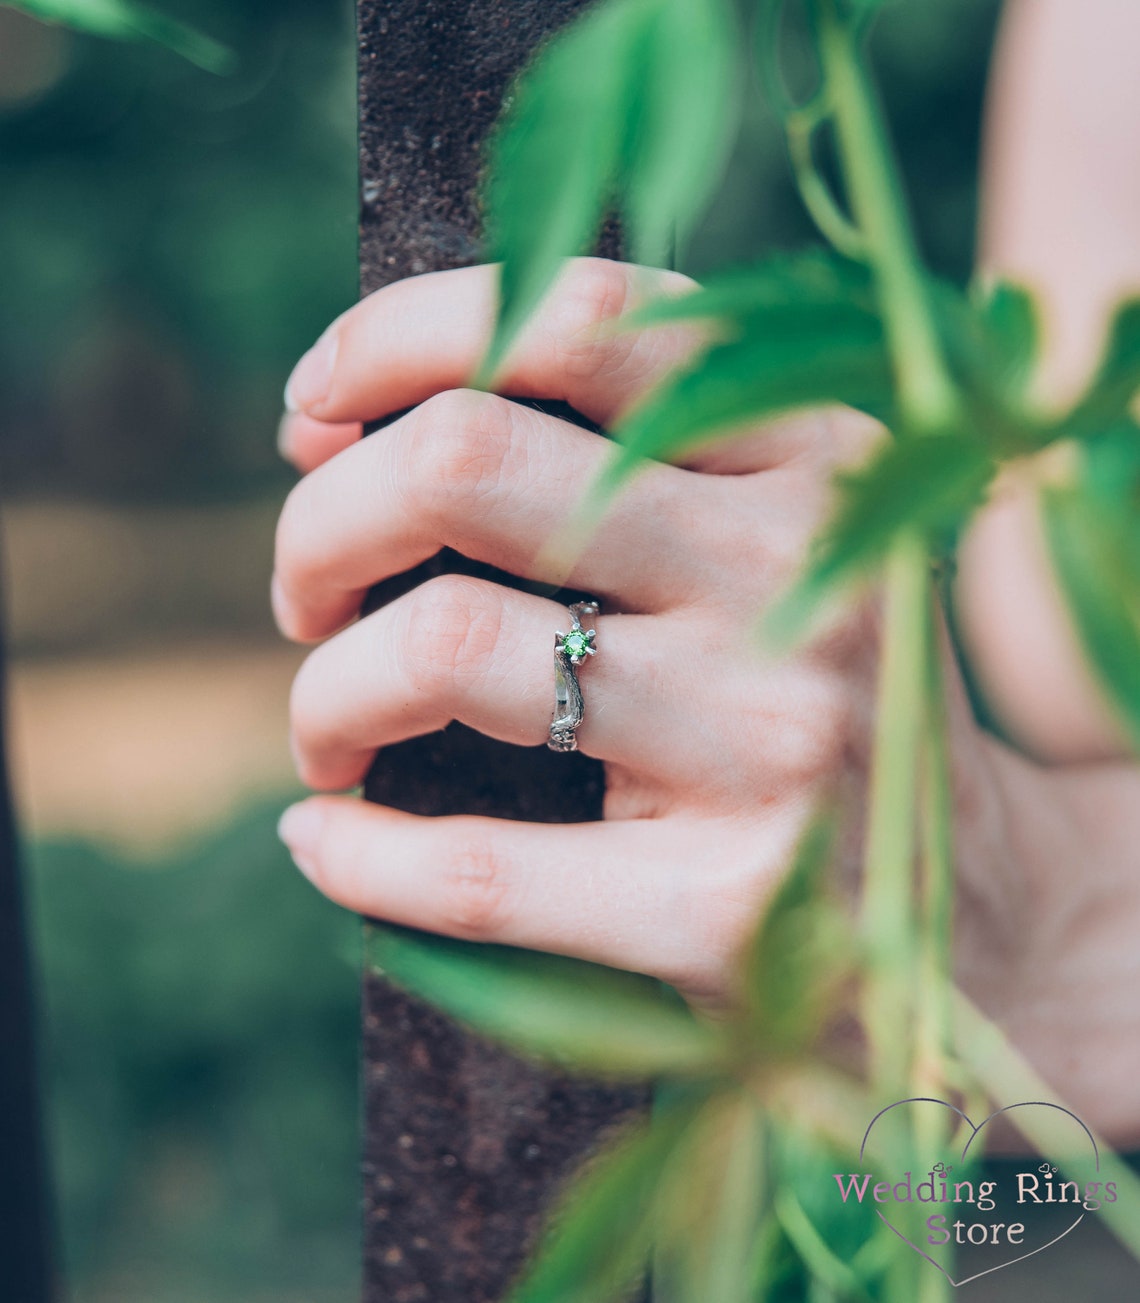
{"x": 300, "y": 829}
{"x": 284, "y": 430}
{"x": 312, "y": 376}
{"x": 277, "y": 600}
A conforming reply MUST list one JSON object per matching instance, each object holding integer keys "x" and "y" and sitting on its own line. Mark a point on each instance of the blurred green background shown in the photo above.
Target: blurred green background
{"x": 170, "y": 241}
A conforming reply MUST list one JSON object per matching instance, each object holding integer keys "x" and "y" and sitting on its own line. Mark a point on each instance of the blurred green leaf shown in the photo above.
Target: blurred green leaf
{"x": 683, "y": 122}
{"x": 812, "y": 278}
{"x": 1011, "y": 317}
{"x": 796, "y": 340}
{"x": 1117, "y": 379}
{"x": 991, "y": 338}
{"x": 829, "y": 1240}
{"x": 800, "y": 953}
{"x": 129, "y": 20}
{"x": 555, "y": 156}
{"x": 712, "y": 1206}
{"x": 601, "y": 1232}
{"x": 578, "y": 1015}
{"x": 930, "y": 484}
{"x": 1093, "y": 529}
{"x": 632, "y": 107}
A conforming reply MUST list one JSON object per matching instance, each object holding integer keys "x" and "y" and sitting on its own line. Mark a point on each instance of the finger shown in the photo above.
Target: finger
{"x": 426, "y": 334}
{"x": 640, "y": 894}
{"x": 494, "y": 480}
{"x": 830, "y": 437}
{"x": 307, "y": 443}
{"x": 458, "y": 648}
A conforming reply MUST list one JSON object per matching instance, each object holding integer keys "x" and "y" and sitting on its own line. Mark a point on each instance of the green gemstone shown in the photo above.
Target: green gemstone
{"x": 575, "y": 644}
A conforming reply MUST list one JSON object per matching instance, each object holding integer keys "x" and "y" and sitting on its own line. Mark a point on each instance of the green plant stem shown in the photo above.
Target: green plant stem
{"x": 800, "y": 126}
{"x": 934, "y": 1015}
{"x": 888, "y": 895}
{"x": 905, "y": 1034}
{"x": 927, "y": 394}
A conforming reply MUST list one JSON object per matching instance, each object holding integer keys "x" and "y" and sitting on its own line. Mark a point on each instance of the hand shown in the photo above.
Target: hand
{"x": 715, "y": 757}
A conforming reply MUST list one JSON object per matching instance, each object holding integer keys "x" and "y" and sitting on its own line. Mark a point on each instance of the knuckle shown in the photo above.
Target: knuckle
{"x": 476, "y": 889}
{"x": 454, "y": 624}
{"x": 595, "y": 291}
{"x": 458, "y": 444}
{"x": 819, "y": 733}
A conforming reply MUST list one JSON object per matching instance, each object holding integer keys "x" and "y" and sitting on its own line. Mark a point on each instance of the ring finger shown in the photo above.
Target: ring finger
{"x": 465, "y": 649}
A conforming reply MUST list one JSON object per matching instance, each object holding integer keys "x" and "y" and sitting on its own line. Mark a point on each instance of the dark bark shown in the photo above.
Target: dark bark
{"x": 464, "y": 1144}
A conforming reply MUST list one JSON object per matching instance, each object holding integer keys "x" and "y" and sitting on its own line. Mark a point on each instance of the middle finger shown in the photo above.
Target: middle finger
{"x": 494, "y": 480}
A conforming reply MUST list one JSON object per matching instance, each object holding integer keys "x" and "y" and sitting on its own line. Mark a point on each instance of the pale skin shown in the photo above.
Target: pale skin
{"x": 715, "y": 756}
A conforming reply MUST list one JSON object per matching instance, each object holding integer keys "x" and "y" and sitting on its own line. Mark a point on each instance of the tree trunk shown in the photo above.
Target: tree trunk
{"x": 464, "y": 1144}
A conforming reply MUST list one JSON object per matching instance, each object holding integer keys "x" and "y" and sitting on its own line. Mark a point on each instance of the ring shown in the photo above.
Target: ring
{"x": 570, "y": 649}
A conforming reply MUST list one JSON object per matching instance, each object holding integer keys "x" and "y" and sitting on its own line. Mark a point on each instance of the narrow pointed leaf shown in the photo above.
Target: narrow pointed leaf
{"x": 683, "y": 123}
{"x": 602, "y": 1230}
{"x": 555, "y": 156}
{"x": 130, "y": 20}
{"x": 800, "y": 952}
{"x": 577, "y": 1015}
{"x": 822, "y": 280}
{"x": 793, "y": 356}
{"x": 1093, "y": 533}
{"x": 712, "y": 1206}
{"x": 1012, "y": 325}
{"x": 931, "y": 484}
{"x": 1117, "y": 379}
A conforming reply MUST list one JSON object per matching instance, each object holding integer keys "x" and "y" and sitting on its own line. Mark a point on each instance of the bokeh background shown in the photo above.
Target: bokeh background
{"x": 170, "y": 241}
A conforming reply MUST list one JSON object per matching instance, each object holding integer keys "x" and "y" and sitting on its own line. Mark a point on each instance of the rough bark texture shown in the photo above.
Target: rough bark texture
{"x": 464, "y": 1144}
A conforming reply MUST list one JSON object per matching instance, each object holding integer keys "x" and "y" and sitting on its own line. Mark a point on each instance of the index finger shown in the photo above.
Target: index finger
{"x": 427, "y": 334}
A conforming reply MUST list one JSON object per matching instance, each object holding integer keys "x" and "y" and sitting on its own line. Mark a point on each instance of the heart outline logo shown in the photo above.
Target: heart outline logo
{"x": 975, "y": 1130}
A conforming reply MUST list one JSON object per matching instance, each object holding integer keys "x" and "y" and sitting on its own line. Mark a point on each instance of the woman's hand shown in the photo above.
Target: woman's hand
{"x": 715, "y": 757}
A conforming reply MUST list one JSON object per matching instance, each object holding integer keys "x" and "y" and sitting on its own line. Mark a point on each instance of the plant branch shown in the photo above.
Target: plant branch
{"x": 927, "y": 395}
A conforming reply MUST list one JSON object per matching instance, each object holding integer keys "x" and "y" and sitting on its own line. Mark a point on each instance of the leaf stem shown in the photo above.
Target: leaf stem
{"x": 934, "y": 1021}
{"x": 888, "y": 896}
{"x": 928, "y": 397}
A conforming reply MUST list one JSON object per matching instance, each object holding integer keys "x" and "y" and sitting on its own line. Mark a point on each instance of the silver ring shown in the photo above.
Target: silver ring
{"x": 570, "y": 650}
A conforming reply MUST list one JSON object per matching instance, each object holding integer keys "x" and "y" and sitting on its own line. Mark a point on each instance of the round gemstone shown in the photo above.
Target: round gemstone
{"x": 575, "y": 644}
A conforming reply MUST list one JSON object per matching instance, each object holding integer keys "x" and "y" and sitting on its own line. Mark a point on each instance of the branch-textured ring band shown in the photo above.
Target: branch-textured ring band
{"x": 570, "y": 649}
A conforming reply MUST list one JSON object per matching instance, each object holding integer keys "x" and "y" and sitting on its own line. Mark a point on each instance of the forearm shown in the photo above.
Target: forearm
{"x": 1060, "y": 213}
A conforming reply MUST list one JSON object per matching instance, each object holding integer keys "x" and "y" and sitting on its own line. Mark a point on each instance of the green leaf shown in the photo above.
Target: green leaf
{"x": 813, "y": 278}
{"x": 829, "y": 1241}
{"x": 800, "y": 952}
{"x": 1093, "y": 529}
{"x": 602, "y": 1230}
{"x": 555, "y": 156}
{"x": 789, "y": 350}
{"x": 1117, "y": 380}
{"x": 1009, "y": 314}
{"x": 712, "y": 1206}
{"x": 630, "y": 108}
{"x": 930, "y": 484}
{"x": 682, "y": 130}
{"x": 130, "y": 21}
{"x": 580, "y": 1016}
{"x": 991, "y": 340}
